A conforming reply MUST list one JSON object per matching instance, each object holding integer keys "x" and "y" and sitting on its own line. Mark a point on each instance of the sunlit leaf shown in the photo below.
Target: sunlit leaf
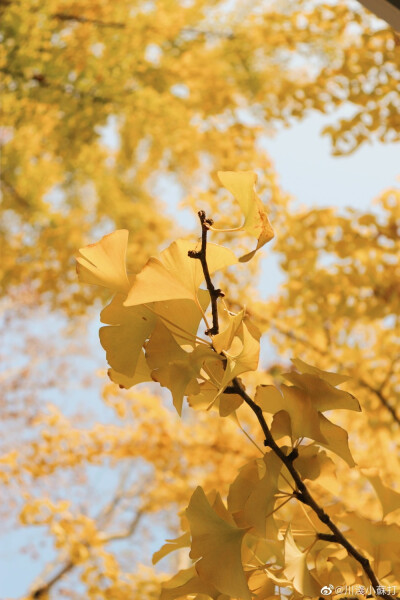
{"x": 176, "y": 368}
{"x": 380, "y": 538}
{"x": 337, "y": 440}
{"x": 225, "y": 403}
{"x": 218, "y": 546}
{"x": 303, "y": 416}
{"x": 256, "y": 223}
{"x": 123, "y": 341}
{"x": 389, "y": 499}
{"x": 323, "y": 395}
{"x": 331, "y": 378}
{"x": 187, "y": 582}
{"x": 242, "y": 355}
{"x": 142, "y": 374}
{"x": 296, "y": 568}
{"x": 174, "y": 275}
{"x": 171, "y": 546}
{"x": 104, "y": 263}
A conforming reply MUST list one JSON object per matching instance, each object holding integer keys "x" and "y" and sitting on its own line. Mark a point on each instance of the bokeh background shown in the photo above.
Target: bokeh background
{"x": 118, "y": 115}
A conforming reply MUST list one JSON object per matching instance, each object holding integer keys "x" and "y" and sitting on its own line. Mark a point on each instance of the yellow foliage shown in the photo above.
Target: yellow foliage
{"x": 104, "y": 104}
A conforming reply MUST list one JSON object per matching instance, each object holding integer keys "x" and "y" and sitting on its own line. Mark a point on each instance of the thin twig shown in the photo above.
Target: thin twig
{"x": 81, "y": 19}
{"x": 44, "y": 589}
{"x": 301, "y": 493}
{"x": 202, "y": 256}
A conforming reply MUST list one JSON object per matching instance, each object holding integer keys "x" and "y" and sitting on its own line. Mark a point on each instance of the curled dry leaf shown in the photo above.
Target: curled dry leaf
{"x": 256, "y": 223}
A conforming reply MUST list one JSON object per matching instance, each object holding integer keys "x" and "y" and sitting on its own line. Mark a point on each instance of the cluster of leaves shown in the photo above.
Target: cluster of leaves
{"x": 272, "y": 534}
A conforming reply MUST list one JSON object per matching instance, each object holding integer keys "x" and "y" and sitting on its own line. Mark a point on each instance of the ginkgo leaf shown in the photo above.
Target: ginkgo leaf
{"x": 242, "y": 356}
{"x": 218, "y": 546}
{"x": 314, "y": 464}
{"x": 226, "y": 404}
{"x": 241, "y": 487}
{"x": 174, "y": 275}
{"x": 389, "y": 499}
{"x": 337, "y": 440}
{"x": 296, "y": 569}
{"x": 104, "y": 263}
{"x": 123, "y": 342}
{"x": 281, "y": 425}
{"x": 124, "y": 338}
{"x": 173, "y": 367}
{"x": 262, "y": 586}
{"x": 323, "y": 395}
{"x": 256, "y": 223}
{"x": 251, "y": 497}
{"x": 142, "y": 374}
{"x": 377, "y": 538}
{"x": 303, "y": 416}
{"x": 332, "y": 378}
{"x": 269, "y": 398}
{"x": 219, "y": 508}
{"x": 171, "y": 546}
{"x": 187, "y": 582}
{"x": 131, "y": 326}
{"x": 223, "y": 340}
{"x": 182, "y": 317}
{"x": 260, "y": 504}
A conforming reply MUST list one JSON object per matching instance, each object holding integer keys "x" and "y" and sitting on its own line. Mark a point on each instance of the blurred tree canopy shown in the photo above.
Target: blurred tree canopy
{"x": 100, "y": 100}
{"x": 107, "y": 107}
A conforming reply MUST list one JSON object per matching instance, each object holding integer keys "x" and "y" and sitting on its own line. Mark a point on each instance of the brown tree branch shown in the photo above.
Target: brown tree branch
{"x": 301, "y": 493}
{"x": 383, "y": 400}
{"x": 79, "y": 19}
{"x": 202, "y": 256}
{"x": 118, "y": 25}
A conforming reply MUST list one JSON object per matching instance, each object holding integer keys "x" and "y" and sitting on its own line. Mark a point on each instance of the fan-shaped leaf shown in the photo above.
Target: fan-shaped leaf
{"x": 103, "y": 263}
{"x": 256, "y": 223}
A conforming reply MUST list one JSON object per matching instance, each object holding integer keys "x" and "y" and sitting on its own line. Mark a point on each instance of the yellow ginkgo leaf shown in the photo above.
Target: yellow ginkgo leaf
{"x": 104, "y": 263}
{"x": 376, "y": 538}
{"x": 218, "y": 546}
{"x": 242, "y": 355}
{"x": 171, "y": 546}
{"x": 256, "y": 223}
{"x": 314, "y": 464}
{"x": 281, "y": 426}
{"x": 176, "y": 368}
{"x": 187, "y": 582}
{"x": 304, "y": 417}
{"x": 174, "y": 275}
{"x": 131, "y": 326}
{"x": 124, "y": 339}
{"x": 389, "y": 499}
{"x": 337, "y": 440}
{"x": 223, "y": 340}
{"x": 296, "y": 568}
{"x": 142, "y": 374}
{"x": 226, "y": 404}
{"x": 332, "y": 378}
{"x": 324, "y": 396}
{"x": 182, "y": 317}
{"x": 260, "y": 504}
